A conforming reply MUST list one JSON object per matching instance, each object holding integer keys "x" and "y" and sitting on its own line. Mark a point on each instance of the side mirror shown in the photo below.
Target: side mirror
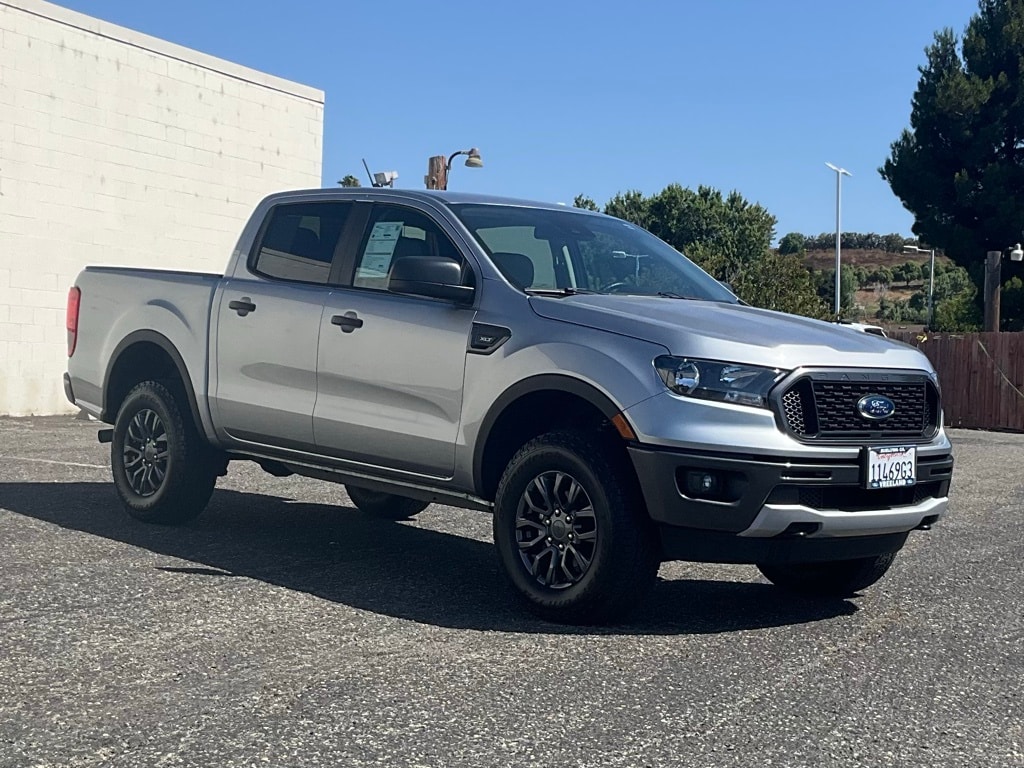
{"x": 431, "y": 276}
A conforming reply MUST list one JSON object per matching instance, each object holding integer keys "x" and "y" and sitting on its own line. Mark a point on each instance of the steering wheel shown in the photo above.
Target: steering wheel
{"x": 614, "y": 287}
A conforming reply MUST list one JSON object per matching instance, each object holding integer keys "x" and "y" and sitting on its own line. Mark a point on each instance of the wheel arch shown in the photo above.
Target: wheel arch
{"x": 528, "y": 408}
{"x": 143, "y": 355}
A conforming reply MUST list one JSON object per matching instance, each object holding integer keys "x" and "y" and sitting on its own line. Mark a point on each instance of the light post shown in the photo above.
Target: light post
{"x": 994, "y": 283}
{"x": 840, "y": 172}
{"x": 438, "y": 167}
{"x": 931, "y": 278}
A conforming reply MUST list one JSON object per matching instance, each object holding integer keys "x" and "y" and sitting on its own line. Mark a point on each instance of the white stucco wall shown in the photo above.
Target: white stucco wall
{"x": 118, "y": 148}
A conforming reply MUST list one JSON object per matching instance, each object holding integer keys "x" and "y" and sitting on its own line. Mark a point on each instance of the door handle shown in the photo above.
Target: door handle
{"x": 243, "y": 306}
{"x": 347, "y": 322}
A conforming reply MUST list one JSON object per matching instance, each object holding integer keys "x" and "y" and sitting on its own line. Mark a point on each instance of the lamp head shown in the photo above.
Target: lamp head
{"x": 474, "y": 160}
{"x": 1017, "y": 254}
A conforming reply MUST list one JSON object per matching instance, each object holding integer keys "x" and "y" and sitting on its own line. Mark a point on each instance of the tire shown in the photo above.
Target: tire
{"x": 841, "y": 578}
{"x": 571, "y": 531}
{"x": 385, "y": 505}
{"x": 164, "y": 472}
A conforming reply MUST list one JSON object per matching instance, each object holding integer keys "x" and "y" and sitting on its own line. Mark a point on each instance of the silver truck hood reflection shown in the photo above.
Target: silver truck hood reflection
{"x": 721, "y": 331}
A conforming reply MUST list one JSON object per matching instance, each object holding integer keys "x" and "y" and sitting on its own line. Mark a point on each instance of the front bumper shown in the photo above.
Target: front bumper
{"x": 771, "y": 508}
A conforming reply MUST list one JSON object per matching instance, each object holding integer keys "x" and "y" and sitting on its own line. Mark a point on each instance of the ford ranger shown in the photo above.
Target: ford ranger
{"x": 612, "y": 405}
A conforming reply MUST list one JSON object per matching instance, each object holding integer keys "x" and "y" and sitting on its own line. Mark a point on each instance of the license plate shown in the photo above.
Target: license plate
{"x": 891, "y": 467}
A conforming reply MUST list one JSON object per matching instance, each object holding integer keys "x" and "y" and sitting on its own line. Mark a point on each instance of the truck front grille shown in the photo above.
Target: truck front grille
{"x": 825, "y": 408}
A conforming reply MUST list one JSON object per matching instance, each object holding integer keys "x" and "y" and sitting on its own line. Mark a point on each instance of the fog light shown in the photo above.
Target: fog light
{"x": 703, "y": 484}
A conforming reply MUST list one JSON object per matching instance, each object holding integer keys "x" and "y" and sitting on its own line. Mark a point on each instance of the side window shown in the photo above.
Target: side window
{"x": 524, "y": 258}
{"x": 392, "y": 233}
{"x": 298, "y": 241}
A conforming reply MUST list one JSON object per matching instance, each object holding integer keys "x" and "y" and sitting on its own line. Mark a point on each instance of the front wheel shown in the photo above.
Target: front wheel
{"x": 571, "y": 530}
{"x": 841, "y": 578}
{"x": 162, "y": 468}
{"x": 385, "y": 505}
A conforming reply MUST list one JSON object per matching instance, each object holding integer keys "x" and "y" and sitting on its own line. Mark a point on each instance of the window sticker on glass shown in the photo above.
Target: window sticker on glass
{"x": 380, "y": 248}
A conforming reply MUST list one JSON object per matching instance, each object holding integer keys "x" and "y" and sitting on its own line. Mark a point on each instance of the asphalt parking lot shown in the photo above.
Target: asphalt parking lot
{"x": 284, "y": 628}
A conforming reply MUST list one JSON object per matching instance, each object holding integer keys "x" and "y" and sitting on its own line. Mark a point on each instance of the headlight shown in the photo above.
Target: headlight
{"x": 714, "y": 380}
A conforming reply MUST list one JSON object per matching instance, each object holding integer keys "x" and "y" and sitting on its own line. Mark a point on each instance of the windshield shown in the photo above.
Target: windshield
{"x": 542, "y": 250}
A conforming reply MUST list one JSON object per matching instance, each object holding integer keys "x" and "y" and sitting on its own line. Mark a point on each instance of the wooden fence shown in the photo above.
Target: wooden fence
{"x": 982, "y": 376}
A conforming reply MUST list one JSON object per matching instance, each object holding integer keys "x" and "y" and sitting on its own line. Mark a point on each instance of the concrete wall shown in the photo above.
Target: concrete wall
{"x": 118, "y": 148}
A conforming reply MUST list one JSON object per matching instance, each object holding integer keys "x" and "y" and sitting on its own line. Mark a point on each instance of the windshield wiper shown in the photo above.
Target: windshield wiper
{"x": 558, "y": 291}
{"x": 671, "y": 295}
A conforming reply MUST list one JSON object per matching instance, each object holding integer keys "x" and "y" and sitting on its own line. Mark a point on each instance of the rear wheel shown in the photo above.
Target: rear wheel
{"x": 385, "y": 505}
{"x": 841, "y": 578}
{"x": 571, "y": 531}
{"x": 163, "y": 470}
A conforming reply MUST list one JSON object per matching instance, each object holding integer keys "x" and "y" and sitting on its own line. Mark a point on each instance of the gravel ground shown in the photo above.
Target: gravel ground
{"x": 284, "y": 628}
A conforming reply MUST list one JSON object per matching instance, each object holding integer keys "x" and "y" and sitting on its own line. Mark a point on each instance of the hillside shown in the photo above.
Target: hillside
{"x": 867, "y": 299}
{"x": 866, "y": 258}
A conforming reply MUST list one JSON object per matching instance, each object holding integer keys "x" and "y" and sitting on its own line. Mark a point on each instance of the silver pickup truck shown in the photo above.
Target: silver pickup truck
{"x": 610, "y": 403}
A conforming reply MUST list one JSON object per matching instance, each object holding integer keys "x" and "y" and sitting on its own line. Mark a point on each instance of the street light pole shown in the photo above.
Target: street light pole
{"x": 931, "y": 278}
{"x": 438, "y": 167}
{"x": 840, "y": 172}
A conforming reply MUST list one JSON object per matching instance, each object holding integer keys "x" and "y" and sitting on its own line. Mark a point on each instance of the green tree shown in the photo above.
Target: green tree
{"x": 631, "y": 206}
{"x": 860, "y": 277}
{"x": 881, "y": 276}
{"x": 906, "y": 272}
{"x": 780, "y": 282}
{"x": 919, "y": 301}
{"x": 899, "y": 311}
{"x": 792, "y": 243}
{"x": 584, "y": 202}
{"x": 1012, "y": 305}
{"x": 729, "y": 237}
{"x": 959, "y": 168}
{"x": 957, "y": 314}
{"x": 955, "y": 309}
{"x": 954, "y": 283}
{"x": 349, "y": 181}
{"x": 826, "y": 289}
{"x": 719, "y": 233}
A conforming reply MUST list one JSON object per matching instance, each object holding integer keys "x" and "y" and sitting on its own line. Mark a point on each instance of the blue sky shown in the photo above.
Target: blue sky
{"x": 594, "y": 97}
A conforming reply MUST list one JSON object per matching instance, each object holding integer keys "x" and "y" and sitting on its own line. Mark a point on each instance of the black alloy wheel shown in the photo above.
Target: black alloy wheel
{"x": 556, "y": 529}
{"x": 145, "y": 453}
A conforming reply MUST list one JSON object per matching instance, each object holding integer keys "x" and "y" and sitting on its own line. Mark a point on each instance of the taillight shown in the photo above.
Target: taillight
{"x": 74, "y": 300}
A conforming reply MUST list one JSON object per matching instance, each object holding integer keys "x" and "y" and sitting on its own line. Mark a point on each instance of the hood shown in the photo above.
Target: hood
{"x": 731, "y": 332}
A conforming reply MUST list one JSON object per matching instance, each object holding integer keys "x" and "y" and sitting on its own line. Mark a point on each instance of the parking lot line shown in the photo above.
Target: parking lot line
{"x": 51, "y": 461}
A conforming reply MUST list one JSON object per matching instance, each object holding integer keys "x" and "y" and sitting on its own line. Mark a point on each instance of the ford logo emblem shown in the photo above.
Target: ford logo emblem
{"x": 876, "y": 407}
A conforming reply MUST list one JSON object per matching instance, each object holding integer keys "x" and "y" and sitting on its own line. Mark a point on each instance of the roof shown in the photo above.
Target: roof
{"x": 445, "y": 197}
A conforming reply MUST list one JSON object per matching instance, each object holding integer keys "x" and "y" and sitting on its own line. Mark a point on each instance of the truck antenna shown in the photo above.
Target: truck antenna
{"x": 372, "y": 182}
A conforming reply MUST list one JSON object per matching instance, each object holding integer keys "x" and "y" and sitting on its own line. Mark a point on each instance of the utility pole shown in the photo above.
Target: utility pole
{"x": 437, "y": 172}
{"x": 993, "y": 282}
{"x": 438, "y": 167}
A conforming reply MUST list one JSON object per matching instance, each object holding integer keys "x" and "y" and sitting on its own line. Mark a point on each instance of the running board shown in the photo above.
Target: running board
{"x": 397, "y": 487}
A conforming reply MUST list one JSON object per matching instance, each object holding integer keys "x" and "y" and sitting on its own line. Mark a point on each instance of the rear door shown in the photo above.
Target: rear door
{"x": 268, "y": 324}
{"x": 391, "y": 367}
